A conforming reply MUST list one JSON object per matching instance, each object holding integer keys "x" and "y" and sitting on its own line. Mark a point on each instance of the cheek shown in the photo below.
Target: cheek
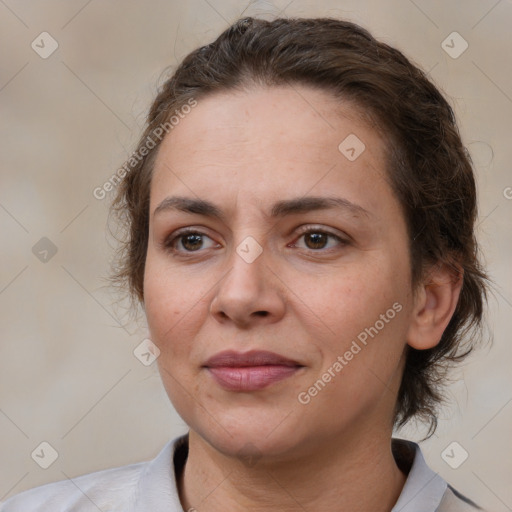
{"x": 360, "y": 312}
{"x": 176, "y": 308}
{"x": 164, "y": 305}
{"x": 353, "y": 296}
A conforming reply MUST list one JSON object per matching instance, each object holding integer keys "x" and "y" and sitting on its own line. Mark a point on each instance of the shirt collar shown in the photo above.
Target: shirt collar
{"x": 157, "y": 488}
{"x": 423, "y": 489}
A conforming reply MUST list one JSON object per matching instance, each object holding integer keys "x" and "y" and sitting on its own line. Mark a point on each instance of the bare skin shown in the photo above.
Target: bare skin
{"x": 306, "y": 298}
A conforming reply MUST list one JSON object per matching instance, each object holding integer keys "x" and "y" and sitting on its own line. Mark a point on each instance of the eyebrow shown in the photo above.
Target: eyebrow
{"x": 278, "y": 210}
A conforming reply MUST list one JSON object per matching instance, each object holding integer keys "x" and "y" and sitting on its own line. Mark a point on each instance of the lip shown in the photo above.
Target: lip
{"x": 250, "y": 371}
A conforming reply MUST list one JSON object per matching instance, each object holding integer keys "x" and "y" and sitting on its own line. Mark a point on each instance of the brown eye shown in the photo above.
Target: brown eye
{"x": 318, "y": 239}
{"x": 187, "y": 241}
{"x": 191, "y": 242}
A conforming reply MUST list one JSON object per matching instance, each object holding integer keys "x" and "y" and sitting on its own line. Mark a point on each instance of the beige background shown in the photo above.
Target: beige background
{"x": 68, "y": 375}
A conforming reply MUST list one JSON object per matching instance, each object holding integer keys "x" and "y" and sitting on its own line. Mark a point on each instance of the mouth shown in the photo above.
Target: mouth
{"x": 250, "y": 371}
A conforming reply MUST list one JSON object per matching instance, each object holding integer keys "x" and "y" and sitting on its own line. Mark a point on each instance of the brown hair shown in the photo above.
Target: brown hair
{"x": 429, "y": 168}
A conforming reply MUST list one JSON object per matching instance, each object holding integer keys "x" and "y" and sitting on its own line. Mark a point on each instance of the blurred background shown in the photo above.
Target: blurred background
{"x": 76, "y": 80}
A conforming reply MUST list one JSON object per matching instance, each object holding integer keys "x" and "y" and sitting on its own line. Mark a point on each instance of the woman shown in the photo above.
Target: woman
{"x": 300, "y": 220}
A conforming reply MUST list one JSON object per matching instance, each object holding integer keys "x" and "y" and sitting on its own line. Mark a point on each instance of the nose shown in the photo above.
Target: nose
{"x": 249, "y": 294}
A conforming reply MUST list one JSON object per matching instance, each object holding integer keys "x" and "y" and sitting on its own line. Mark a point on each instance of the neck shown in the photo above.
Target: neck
{"x": 358, "y": 474}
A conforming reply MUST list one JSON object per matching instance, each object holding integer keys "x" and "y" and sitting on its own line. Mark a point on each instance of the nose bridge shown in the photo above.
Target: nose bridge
{"x": 248, "y": 266}
{"x": 248, "y": 291}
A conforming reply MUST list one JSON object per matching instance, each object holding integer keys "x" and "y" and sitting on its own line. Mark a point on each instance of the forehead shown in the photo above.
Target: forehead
{"x": 264, "y": 142}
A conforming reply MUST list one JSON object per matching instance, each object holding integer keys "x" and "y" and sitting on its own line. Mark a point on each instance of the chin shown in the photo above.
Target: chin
{"x": 251, "y": 436}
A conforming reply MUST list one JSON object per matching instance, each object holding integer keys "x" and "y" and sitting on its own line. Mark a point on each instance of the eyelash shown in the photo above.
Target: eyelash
{"x": 169, "y": 243}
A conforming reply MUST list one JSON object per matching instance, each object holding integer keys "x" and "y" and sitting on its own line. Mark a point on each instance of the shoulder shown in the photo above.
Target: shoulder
{"x": 105, "y": 490}
{"x": 149, "y": 485}
{"x": 99, "y": 490}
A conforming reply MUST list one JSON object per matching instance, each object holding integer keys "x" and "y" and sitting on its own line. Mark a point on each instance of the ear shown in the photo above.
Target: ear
{"x": 434, "y": 305}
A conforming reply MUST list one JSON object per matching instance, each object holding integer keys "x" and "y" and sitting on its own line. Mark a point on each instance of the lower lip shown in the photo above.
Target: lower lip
{"x": 251, "y": 378}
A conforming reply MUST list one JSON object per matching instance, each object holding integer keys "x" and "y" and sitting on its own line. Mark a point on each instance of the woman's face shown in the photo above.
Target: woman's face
{"x": 325, "y": 289}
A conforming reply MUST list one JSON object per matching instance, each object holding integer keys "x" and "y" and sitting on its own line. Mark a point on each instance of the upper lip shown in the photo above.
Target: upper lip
{"x": 252, "y": 358}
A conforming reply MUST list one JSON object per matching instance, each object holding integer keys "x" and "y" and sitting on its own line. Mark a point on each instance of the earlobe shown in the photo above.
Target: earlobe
{"x": 434, "y": 306}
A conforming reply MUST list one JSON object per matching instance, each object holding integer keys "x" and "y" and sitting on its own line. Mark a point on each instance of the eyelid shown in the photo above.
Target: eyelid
{"x": 306, "y": 228}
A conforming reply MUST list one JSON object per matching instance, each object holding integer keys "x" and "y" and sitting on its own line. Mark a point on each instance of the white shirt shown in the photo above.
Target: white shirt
{"x": 151, "y": 487}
